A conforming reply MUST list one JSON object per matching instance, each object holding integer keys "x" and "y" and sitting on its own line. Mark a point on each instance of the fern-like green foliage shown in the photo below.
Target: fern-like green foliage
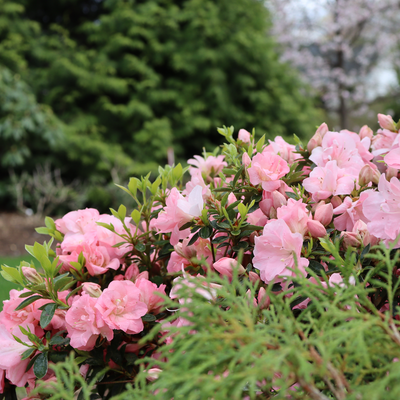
{"x": 338, "y": 347}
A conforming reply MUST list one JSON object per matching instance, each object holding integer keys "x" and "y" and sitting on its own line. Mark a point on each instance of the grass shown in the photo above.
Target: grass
{"x": 6, "y": 286}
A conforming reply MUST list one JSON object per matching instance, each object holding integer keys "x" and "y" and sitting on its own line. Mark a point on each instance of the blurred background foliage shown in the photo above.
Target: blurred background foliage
{"x": 100, "y": 90}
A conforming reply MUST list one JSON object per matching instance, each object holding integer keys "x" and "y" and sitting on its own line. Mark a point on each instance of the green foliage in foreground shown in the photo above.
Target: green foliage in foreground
{"x": 340, "y": 347}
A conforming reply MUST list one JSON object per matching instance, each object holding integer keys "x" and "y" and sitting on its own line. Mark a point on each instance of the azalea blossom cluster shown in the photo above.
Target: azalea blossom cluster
{"x": 261, "y": 211}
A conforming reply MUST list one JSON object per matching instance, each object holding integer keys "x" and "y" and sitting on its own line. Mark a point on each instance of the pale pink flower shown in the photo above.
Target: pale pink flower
{"x": 277, "y": 250}
{"x": 120, "y": 307}
{"x": 383, "y": 141}
{"x": 273, "y": 200}
{"x": 327, "y": 181}
{"x": 92, "y": 289}
{"x": 382, "y": 209}
{"x": 80, "y": 221}
{"x": 246, "y": 160}
{"x": 392, "y": 159}
{"x": 296, "y": 216}
{"x": 9, "y": 318}
{"x": 98, "y": 260}
{"x": 338, "y": 146}
{"x": 149, "y": 294}
{"x": 280, "y": 147}
{"x": 11, "y": 352}
{"x": 366, "y": 132}
{"x": 84, "y": 323}
{"x": 351, "y": 211}
{"x": 257, "y": 218}
{"x": 369, "y": 173}
{"x": 209, "y": 167}
{"x": 178, "y": 211}
{"x": 267, "y": 169}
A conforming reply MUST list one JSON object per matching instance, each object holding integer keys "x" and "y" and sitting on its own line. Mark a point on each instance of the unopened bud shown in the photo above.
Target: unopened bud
{"x": 92, "y": 289}
{"x": 391, "y": 173}
{"x": 351, "y": 239}
{"x": 32, "y": 275}
{"x": 368, "y": 174}
{"x": 316, "y": 229}
{"x": 263, "y": 300}
{"x": 244, "y": 136}
{"x": 253, "y": 277}
{"x": 366, "y": 131}
{"x": 246, "y": 160}
{"x": 336, "y": 201}
{"x": 386, "y": 122}
{"x": 226, "y": 265}
{"x": 324, "y": 213}
{"x": 316, "y": 140}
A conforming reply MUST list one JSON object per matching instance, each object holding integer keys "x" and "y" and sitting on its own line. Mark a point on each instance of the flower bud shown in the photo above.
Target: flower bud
{"x": 324, "y": 213}
{"x": 32, "y": 275}
{"x": 132, "y": 272}
{"x": 246, "y": 160}
{"x": 336, "y": 201}
{"x": 263, "y": 300}
{"x": 316, "y": 140}
{"x": 366, "y": 131}
{"x": 226, "y": 265}
{"x": 244, "y": 136}
{"x": 352, "y": 239}
{"x": 92, "y": 289}
{"x": 253, "y": 277}
{"x": 391, "y": 173}
{"x": 251, "y": 298}
{"x": 368, "y": 174}
{"x": 316, "y": 229}
{"x": 386, "y": 122}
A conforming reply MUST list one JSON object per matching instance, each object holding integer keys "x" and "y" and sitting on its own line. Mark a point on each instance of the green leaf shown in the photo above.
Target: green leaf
{"x": 11, "y": 274}
{"x": 136, "y": 215}
{"x": 260, "y": 144}
{"x": 237, "y": 176}
{"x": 291, "y": 195}
{"x": 316, "y": 267}
{"x": 61, "y": 280}
{"x": 206, "y": 232}
{"x": 242, "y": 210}
{"x": 133, "y": 185}
{"x": 140, "y": 247}
{"x": 40, "y": 366}
{"x": 122, "y": 212}
{"x": 193, "y": 239}
{"x": 40, "y": 253}
{"x": 28, "y": 301}
{"x": 26, "y": 354}
{"x": 149, "y": 318}
{"x": 186, "y": 226}
{"x": 47, "y": 314}
{"x": 59, "y": 341}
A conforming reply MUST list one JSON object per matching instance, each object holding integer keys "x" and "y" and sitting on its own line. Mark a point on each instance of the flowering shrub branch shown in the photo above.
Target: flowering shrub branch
{"x": 281, "y": 258}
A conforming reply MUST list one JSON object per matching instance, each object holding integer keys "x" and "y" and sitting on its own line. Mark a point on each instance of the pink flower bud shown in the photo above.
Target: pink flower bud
{"x": 391, "y": 173}
{"x": 32, "y": 275}
{"x": 152, "y": 374}
{"x": 244, "y": 136}
{"x": 231, "y": 199}
{"x": 336, "y": 201}
{"x": 315, "y": 228}
{"x": 278, "y": 199}
{"x": 132, "y": 272}
{"x": 386, "y": 122}
{"x": 366, "y": 131}
{"x": 226, "y": 265}
{"x": 92, "y": 289}
{"x": 253, "y": 277}
{"x": 351, "y": 239}
{"x": 246, "y": 160}
{"x": 324, "y": 213}
{"x": 251, "y": 298}
{"x": 316, "y": 140}
{"x": 368, "y": 174}
{"x": 263, "y": 300}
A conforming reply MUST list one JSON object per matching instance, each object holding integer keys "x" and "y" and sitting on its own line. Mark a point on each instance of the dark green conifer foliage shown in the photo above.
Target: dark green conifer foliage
{"x": 149, "y": 74}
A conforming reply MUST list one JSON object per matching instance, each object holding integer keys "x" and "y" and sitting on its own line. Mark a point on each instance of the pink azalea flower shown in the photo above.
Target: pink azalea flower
{"x": 327, "y": 181}
{"x": 149, "y": 294}
{"x": 382, "y": 209}
{"x": 11, "y": 352}
{"x": 178, "y": 211}
{"x": 277, "y": 250}
{"x": 296, "y": 216}
{"x": 209, "y": 167}
{"x": 120, "y": 307}
{"x": 383, "y": 141}
{"x": 392, "y": 159}
{"x": 280, "y": 147}
{"x": 98, "y": 260}
{"x": 84, "y": 323}
{"x": 267, "y": 169}
{"x": 80, "y": 221}
{"x": 244, "y": 136}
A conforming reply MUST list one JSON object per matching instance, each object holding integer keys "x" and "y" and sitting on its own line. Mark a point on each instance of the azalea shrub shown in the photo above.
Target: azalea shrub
{"x": 261, "y": 270}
